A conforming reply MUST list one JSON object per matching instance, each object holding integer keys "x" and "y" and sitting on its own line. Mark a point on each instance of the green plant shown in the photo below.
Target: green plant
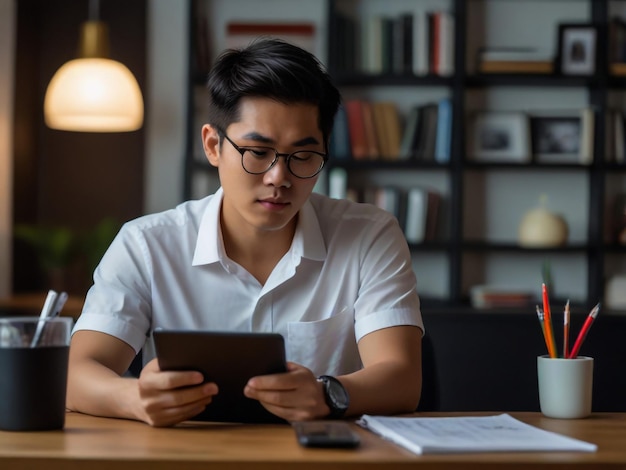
{"x": 68, "y": 257}
{"x": 56, "y": 247}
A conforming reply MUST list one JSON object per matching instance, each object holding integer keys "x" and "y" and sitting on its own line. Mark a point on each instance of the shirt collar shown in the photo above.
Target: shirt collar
{"x": 308, "y": 241}
{"x": 209, "y": 244}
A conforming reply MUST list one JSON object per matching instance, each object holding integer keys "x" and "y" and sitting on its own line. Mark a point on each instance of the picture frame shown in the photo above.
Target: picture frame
{"x": 501, "y": 137}
{"x": 577, "y": 49}
{"x": 562, "y": 137}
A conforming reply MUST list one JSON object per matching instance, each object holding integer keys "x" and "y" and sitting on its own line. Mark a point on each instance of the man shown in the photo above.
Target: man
{"x": 262, "y": 254}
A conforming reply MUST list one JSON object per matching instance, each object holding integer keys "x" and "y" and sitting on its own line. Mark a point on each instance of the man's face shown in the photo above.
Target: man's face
{"x": 267, "y": 202}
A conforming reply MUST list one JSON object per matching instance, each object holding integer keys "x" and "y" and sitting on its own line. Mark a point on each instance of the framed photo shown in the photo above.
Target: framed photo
{"x": 562, "y": 137}
{"x": 501, "y": 137}
{"x": 577, "y": 49}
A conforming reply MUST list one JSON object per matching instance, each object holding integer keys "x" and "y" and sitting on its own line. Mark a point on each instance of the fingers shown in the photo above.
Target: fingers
{"x": 295, "y": 395}
{"x": 169, "y": 397}
{"x": 153, "y": 378}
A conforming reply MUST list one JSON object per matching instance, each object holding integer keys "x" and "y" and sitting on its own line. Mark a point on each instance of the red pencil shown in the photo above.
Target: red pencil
{"x": 547, "y": 320}
{"x": 583, "y": 331}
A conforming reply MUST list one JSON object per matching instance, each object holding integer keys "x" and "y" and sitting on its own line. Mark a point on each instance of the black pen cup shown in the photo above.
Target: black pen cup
{"x": 33, "y": 372}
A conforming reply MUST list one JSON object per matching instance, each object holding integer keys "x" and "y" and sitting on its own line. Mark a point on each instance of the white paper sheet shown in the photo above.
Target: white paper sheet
{"x": 501, "y": 433}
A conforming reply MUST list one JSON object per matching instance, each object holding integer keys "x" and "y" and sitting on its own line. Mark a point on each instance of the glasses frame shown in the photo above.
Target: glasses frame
{"x": 286, "y": 156}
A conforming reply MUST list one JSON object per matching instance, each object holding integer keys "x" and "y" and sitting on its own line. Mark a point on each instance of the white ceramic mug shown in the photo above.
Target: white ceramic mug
{"x": 565, "y": 386}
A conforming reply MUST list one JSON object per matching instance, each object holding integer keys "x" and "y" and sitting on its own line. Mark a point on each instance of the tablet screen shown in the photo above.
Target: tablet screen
{"x": 229, "y": 359}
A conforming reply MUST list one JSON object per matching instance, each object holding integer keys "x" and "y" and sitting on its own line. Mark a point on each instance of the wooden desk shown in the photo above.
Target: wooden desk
{"x": 101, "y": 443}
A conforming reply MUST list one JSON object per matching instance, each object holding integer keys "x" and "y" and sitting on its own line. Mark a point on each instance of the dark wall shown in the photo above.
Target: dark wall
{"x": 69, "y": 178}
{"x": 488, "y": 361}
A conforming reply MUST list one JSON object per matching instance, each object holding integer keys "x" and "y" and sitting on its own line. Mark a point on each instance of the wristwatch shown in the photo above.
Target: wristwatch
{"x": 336, "y": 396}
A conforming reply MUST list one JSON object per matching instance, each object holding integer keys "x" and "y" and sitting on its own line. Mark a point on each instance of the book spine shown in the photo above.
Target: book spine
{"x": 357, "y": 129}
{"x": 444, "y": 131}
{"x": 416, "y": 208}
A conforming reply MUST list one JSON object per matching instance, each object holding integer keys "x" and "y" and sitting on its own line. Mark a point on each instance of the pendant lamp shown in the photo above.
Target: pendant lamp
{"x": 93, "y": 93}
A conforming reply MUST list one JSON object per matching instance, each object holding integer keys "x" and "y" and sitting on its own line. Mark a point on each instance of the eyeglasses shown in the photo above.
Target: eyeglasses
{"x": 301, "y": 164}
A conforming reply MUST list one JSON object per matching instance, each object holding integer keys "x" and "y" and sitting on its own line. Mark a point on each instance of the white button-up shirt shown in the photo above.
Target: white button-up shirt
{"x": 347, "y": 273}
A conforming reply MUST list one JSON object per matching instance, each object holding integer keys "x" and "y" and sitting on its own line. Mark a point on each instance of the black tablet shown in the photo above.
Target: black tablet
{"x": 229, "y": 359}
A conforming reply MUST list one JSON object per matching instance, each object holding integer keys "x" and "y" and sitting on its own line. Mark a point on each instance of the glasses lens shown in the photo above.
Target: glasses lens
{"x": 306, "y": 164}
{"x": 258, "y": 159}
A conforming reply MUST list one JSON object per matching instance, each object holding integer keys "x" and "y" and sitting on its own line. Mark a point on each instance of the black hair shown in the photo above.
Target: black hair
{"x": 270, "y": 68}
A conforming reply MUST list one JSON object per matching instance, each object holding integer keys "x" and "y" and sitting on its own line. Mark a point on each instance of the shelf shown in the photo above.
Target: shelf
{"x": 465, "y": 184}
{"x": 470, "y": 165}
{"x": 348, "y": 164}
{"x": 513, "y": 247}
{"x": 358, "y": 79}
{"x": 529, "y": 80}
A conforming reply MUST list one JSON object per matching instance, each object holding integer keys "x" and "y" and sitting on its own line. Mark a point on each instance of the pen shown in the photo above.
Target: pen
{"x": 547, "y": 319}
{"x": 583, "y": 331}
{"x": 566, "y": 317}
{"x": 59, "y": 304}
{"x": 46, "y": 310}
{"x": 543, "y": 328}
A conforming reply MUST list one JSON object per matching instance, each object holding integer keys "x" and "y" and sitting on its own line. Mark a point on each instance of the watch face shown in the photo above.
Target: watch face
{"x": 337, "y": 397}
{"x": 337, "y": 394}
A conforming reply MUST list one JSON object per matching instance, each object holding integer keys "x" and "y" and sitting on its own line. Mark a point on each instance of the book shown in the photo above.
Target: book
{"x": 446, "y": 44}
{"x": 372, "y": 39}
{"x": 498, "y": 433}
{"x": 421, "y": 214}
{"x": 388, "y": 129}
{"x": 356, "y": 127}
{"x": 416, "y": 215}
{"x": 515, "y": 66}
{"x": 433, "y": 41}
{"x": 410, "y": 134}
{"x": 337, "y": 183}
{"x": 240, "y": 34}
{"x": 428, "y": 133}
{"x": 433, "y": 201}
{"x": 402, "y": 51}
{"x": 443, "y": 137}
{"x": 387, "y": 45}
{"x": 420, "y": 44}
{"x": 587, "y": 125}
{"x": 371, "y": 138}
{"x": 514, "y": 54}
{"x": 390, "y": 199}
{"x": 483, "y": 296}
{"x": 380, "y": 127}
{"x": 340, "y": 136}
{"x": 345, "y": 41}
{"x": 393, "y": 129}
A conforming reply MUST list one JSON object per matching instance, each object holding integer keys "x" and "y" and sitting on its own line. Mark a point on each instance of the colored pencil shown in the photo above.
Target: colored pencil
{"x": 547, "y": 319}
{"x": 583, "y": 331}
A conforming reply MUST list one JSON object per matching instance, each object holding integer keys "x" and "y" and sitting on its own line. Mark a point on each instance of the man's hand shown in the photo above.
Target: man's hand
{"x": 294, "y": 396}
{"x": 167, "y": 398}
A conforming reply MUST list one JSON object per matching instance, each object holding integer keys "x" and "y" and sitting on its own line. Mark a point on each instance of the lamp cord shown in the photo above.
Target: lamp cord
{"x": 94, "y": 9}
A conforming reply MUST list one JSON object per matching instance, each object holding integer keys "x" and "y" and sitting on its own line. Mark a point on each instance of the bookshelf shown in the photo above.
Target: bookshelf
{"x": 482, "y": 202}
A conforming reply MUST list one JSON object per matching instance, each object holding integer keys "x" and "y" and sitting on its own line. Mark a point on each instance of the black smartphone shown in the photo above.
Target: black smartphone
{"x": 326, "y": 434}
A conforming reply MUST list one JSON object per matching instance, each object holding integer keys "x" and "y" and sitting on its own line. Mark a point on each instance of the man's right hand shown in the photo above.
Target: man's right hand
{"x": 169, "y": 397}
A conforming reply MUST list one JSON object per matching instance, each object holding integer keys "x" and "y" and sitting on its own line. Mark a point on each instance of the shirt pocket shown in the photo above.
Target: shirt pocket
{"x": 327, "y": 347}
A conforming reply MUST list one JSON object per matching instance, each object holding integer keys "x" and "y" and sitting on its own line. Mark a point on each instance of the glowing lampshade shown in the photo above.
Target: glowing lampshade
{"x": 93, "y": 93}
